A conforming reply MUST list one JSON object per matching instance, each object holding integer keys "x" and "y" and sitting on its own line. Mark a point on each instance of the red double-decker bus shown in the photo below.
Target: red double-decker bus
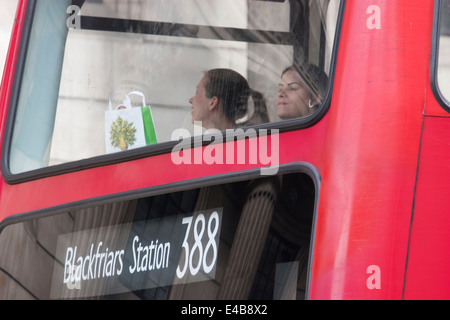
{"x": 247, "y": 149}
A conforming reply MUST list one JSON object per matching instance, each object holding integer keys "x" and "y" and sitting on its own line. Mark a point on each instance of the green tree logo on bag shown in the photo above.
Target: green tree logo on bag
{"x": 123, "y": 134}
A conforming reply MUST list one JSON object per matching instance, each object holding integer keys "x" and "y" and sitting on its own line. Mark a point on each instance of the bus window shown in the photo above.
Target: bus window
{"x": 444, "y": 51}
{"x": 240, "y": 240}
{"x": 87, "y": 58}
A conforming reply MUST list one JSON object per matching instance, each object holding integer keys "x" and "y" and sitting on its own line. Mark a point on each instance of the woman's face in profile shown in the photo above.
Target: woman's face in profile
{"x": 294, "y": 97}
{"x": 200, "y": 103}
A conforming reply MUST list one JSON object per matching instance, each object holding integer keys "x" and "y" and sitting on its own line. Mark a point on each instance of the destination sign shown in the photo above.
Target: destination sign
{"x": 138, "y": 255}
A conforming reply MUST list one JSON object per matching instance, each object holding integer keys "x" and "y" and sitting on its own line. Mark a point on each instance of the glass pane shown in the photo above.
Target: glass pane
{"x": 242, "y": 240}
{"x": 444, "y": 51}
{"x": 92, "y": 62}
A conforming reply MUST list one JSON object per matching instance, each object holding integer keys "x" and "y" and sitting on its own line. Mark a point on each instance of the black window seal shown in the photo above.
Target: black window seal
{"x": 445, "y": 104}
{"x": 144, "y": 152}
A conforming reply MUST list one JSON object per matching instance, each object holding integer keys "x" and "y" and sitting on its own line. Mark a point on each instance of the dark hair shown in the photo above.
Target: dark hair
{"x": 233, "y": 92}
{"x": 314, "y": 77}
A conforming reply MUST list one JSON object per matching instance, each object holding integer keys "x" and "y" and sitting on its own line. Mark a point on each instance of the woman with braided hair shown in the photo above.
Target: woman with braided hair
{"x": 222, "y": 97}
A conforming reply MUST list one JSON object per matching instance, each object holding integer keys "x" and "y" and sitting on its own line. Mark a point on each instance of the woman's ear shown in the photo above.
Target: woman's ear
{"x": 213, "y": 103}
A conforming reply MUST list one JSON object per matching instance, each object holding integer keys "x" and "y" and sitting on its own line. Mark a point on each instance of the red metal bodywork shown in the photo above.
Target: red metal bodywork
{"x": 372, "y": 151}
{"x": 382, "y": 152}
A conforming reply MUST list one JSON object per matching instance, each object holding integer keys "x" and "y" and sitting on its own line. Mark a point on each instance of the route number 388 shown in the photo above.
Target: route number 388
{"x": 200, "y": 252}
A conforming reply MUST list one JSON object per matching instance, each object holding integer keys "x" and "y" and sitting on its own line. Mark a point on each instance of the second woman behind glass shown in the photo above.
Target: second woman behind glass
{"x": 300, "y": 91}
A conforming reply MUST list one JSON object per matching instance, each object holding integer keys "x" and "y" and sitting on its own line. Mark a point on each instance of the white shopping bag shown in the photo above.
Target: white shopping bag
{"x": 124, "y": 127}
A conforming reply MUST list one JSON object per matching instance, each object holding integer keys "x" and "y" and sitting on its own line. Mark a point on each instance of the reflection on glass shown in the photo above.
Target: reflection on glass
{"x": 161, "y": 49}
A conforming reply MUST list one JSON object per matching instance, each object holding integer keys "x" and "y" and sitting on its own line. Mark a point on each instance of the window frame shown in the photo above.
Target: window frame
{"x": 305, "y": 168}
{"x": 435, "y": 46}
{"x": 144, "y": 152}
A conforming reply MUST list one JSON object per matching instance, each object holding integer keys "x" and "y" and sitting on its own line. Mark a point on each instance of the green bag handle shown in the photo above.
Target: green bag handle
{"x": 149, "y": 126}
